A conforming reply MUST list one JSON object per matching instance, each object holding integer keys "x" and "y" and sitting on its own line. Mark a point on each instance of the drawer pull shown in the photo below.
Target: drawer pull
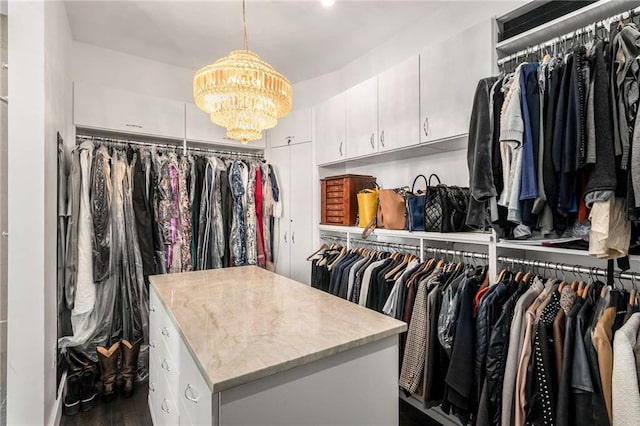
{"x": 189, "y": 391}
{"x": 165, "y": 332}
{"x": 152, "y": 343}
{"x": 152, "y": 308}
{"x": 165, "y": 365}
{"x": 152, "y": 387}
{"x": 134, "y": 126}
{"x": 165, "y": 406}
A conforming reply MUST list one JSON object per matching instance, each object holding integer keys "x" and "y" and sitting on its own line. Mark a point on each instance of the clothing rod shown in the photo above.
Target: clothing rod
{"x": 435, "y": 250}
{"x": 102, "y": 139}
{"x": 567, "y": 268}
{"x": 570, "y": 35}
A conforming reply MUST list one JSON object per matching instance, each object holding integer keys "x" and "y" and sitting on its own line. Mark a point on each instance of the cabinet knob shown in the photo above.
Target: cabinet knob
{"x": 371, "y": 141}
{"x": 152, "y": 308}
{"x": 152, "y": 343}
{"x": 293, "y": 237}
{"x": 188, "y": 393}
{"x": 289, "y": 138}
{"x": 165, "y": 406}
{"x": 425, "y": 126}
{"x": 382, "y": 138}
{"x": 340, "y": 149}
{"x": 165, "y": 332}
{"x": 152, "y": 387}
{"x": 285, "y": 237}
{"x": 165, "y": 365}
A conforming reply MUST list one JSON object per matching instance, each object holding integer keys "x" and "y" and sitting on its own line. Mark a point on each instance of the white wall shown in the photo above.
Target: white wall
{"x": 40, "y": 105}
{"x": 26, "y": 212}
{"x": 104, "y": 67}
{"x": 58, "y": 118}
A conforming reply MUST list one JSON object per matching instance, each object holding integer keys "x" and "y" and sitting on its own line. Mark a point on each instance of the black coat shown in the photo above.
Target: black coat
{"x": 497, "y": 356}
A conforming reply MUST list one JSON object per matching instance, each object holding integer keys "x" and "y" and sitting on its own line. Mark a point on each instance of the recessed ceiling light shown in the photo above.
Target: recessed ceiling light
{"x": 327, "y": 3}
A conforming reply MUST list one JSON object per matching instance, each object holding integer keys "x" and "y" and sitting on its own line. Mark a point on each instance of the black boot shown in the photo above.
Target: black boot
{"x": 129, "y": 369}
{"x": 109, "y": 368}
{"x": 88, "y": 391}
{"x": 72, "y": 399}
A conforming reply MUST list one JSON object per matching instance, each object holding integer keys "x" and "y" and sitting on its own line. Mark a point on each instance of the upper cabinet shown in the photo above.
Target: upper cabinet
{"x": 398, "y": 106}
{"x": 117, "y": 110}
{"x": 330, "y": 130}
{"x": 362, "y": 118}
{"x": 200, "y": 128}
{"x": 449, "y": 74}
{"x": 294, "y": 128}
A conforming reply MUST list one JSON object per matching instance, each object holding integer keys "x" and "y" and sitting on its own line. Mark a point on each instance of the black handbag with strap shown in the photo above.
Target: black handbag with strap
{"x": 446, "y": 207}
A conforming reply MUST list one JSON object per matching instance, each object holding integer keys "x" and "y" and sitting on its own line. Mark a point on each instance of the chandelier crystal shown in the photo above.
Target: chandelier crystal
{"x": 242, "y": 93}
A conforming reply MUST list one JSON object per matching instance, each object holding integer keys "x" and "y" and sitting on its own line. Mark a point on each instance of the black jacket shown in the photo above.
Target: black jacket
{"x": 496, "y": 356}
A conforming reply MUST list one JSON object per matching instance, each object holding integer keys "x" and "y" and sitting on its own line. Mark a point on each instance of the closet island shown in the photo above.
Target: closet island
{"x": 243, "y": 345}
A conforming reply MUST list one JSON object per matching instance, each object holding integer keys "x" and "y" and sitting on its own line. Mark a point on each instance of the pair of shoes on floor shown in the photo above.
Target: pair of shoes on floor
{"x": 108, "y": 358}
{"x": 81, "y": 389}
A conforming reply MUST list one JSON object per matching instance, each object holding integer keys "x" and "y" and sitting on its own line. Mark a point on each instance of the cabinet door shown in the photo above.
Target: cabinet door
{"x": 117, "y": 110}
{"x": 200, "y": 128}
{"x": 279, "y": 158}
{"x": 292, "y": 129}
{"x": 330, "y": 142}
{"x": 301, "y": 211}
{"x": 448, "y": 81}
{"x": 399, "y": 106}
{"x": 362, "y": 118}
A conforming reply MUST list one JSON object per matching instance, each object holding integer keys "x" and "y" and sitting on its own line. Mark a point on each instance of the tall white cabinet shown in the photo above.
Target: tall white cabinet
{"x": 330, "y": 141}
{"x": 294, "y": 163}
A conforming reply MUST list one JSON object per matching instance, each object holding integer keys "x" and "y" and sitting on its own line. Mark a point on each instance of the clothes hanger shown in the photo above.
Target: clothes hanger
{"x": 324, "y": 246}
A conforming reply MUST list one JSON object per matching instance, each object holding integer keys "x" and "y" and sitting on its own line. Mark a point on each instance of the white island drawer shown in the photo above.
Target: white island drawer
{"x": 193, "y": 391}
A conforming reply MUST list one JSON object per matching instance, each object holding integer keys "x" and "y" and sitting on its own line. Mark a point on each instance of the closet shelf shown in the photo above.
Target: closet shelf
{"x": 483, "y": 238}
{"x": 502, "y": 244}
{"x": 452, "y": 143}
{"x": 562, "y": 25}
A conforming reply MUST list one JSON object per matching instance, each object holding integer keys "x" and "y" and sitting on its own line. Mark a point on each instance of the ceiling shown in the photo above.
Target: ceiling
{"x": 301, "y": 39}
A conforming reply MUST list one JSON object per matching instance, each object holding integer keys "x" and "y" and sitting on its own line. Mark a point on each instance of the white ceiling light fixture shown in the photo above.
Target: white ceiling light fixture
{"x": 328, "y": 3}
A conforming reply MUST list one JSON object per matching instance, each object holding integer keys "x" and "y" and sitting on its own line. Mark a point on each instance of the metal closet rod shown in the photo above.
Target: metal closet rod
{"x": 435, "y": 250}
{"x": 175, "y": 147}
{"x": 570, "y": 35}
{"x": 555, "y": 266}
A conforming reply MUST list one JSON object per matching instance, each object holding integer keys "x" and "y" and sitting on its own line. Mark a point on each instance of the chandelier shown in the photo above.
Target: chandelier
{"x": 242, "y": 93}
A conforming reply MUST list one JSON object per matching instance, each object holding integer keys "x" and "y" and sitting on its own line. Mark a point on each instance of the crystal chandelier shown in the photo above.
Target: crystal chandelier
{"x": 242, "y": 93}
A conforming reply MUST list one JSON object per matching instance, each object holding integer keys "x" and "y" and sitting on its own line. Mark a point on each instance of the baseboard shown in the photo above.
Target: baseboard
{"x": 56, "y": 413}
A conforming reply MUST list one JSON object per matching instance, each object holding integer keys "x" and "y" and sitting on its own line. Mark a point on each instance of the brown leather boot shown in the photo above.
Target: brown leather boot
{"x": 109, "y": 367}
{"x": 129, "y": 369}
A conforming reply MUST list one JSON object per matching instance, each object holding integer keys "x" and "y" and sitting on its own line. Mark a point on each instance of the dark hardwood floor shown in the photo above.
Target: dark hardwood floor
{"x": 134, "y": 411}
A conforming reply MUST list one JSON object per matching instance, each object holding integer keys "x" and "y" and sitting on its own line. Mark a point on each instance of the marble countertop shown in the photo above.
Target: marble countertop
{"x": 242, "y": 324}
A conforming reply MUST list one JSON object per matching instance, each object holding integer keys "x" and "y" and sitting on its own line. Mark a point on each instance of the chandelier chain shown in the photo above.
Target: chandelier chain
{"x": 244, "y": 24}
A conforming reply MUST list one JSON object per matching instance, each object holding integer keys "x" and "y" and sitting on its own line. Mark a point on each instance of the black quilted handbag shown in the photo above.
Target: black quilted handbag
{"x": 446, "y": 207}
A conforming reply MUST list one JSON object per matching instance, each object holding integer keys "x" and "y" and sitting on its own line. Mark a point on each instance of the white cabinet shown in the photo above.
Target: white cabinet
{"x": 200, "y": 128}
{"x": 295, "y": 170}
{"x": 293, "y": 128}
{"x": 118, "y": 110}
{"x": 449, "y": 74}
{"x": 362, "y": 118}
{"x": 398, "y": 106}
{"x": 330, "y": 130}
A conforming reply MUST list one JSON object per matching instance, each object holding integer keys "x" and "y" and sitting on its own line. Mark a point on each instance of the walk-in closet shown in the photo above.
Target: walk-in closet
{"x": 320, "y": 212}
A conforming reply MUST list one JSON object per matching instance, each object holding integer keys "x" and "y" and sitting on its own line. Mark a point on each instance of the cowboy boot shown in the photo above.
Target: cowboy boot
{"x": 129, "y": 369}
{"x": 108, "y": 359}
